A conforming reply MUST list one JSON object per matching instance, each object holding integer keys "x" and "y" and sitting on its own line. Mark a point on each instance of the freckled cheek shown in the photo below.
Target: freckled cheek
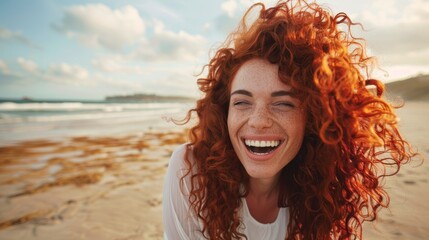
{"x": 231, "y": 122}
{"x": 233, "y": 127}
{"x": 295, "y": 121}
{"x": 235, "y": 121}
{"x": 298, "y": 130}
{"x": 235, "y": 115}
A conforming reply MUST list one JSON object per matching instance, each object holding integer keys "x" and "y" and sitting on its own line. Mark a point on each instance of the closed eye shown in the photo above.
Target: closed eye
{"x": 241, "y": 103}
{"x": 284, "y": 104}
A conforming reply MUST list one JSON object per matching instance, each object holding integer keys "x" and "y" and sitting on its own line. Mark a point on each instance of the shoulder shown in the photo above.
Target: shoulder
{"x": 180, "y": 151}
{"x": 177, "y": 171}
{"x": 177, "y": 160}
{"x": 180, "y": 221}
{"x": 178, "y": 166}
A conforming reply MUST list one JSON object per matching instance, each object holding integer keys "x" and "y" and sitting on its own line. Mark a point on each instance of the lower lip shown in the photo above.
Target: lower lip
{"x": 263, "y": 157}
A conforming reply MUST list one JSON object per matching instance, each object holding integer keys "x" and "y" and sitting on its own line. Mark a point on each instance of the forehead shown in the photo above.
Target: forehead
{"x": 258, "y": 75}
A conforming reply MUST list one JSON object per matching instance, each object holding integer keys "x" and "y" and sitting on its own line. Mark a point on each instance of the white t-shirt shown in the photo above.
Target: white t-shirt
{"x": 181, "y": 222}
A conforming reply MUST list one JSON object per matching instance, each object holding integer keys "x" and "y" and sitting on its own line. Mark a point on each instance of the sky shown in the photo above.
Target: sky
{"x": 74, "y": 49}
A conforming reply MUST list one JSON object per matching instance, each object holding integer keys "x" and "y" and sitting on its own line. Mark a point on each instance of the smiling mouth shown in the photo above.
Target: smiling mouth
{"x": 261, "y": 147}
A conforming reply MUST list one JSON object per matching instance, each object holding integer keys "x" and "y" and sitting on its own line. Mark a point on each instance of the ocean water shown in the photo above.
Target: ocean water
{"x": 31, "y": 120}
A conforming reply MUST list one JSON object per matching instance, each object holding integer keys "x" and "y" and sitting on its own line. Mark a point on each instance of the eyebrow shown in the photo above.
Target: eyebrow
{"x": 242, "y": 92}
{"x": 273, "y": 94}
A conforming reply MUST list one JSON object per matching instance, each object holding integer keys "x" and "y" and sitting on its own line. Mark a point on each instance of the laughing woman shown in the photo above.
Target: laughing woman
{"x": 290, "y": 143}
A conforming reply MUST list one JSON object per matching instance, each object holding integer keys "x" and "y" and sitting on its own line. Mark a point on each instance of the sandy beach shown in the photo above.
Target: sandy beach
{"x": 408, "y": 214}
{"x": 111, "y": 187}
{"x": 85, "y": 188}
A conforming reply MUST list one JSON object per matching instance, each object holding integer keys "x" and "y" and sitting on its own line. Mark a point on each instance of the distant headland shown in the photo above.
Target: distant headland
{"x": 411, "y": 89}
{"x": 148, "y": 98}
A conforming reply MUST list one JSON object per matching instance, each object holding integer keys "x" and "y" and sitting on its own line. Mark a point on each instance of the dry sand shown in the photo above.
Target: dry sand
{"x": 408, "y": 215}
{"x": 111, "y": 188}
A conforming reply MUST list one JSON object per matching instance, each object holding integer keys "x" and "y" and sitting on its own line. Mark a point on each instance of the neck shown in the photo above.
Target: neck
{"x": 264, "y": 188}
{"x": 262, "y": 199}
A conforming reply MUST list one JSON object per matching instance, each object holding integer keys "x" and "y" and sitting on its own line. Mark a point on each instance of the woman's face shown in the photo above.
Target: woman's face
{"x": 266, "y": 123}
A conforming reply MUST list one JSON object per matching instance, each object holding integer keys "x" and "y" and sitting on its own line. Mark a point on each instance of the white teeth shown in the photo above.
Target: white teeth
{"x": 256, "y": 143}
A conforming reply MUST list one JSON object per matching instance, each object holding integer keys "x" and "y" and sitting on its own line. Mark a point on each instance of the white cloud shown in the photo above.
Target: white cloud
{"x": 97, "y": 25}
{"x": 384, "y": 13}
{"x": 100, "y": 26}
{"x": 6, "y": 34}
{"x": 75, "y": 75}
{"x": 27, "y": 65}
{"x": 229, "y": 6}
{"x": 159, "y": 9}
{"x": 109, "y": 64}
{"x": 233, "y": 11}
{"x": 164, "y": 78}
{"x": 397, "y": 34}
{"x": 118, "y": 64}
{"x": 400, "y": 39}
{"x": 247, "y": 2}
{"x": 417, "y": 11}
{"x": 118, "y": 84}
{"x": 179, "y": 83}
{"x": 400, "y": 71}
{"x": 207, "y": 26}
{"x": 166, "y": 45}
{"x": 380, "y": 12}
{"x": 4, "y": 68}
{"x": 68, "y": 74}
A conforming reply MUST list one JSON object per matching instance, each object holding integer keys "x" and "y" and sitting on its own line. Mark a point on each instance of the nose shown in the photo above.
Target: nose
{"x": 260, "y": 118}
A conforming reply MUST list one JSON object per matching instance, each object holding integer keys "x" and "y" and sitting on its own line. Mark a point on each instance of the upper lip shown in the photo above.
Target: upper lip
{"x": 265, "y": 138}
{"x": 262, "y": 138}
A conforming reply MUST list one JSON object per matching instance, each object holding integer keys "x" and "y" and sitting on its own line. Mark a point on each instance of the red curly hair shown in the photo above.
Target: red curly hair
{"x": 351, "y": 135}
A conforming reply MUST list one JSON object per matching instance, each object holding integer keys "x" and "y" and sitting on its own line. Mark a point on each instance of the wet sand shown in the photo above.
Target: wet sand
{"x": 111, "y": 187}
{"x": 85, "y": 188}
